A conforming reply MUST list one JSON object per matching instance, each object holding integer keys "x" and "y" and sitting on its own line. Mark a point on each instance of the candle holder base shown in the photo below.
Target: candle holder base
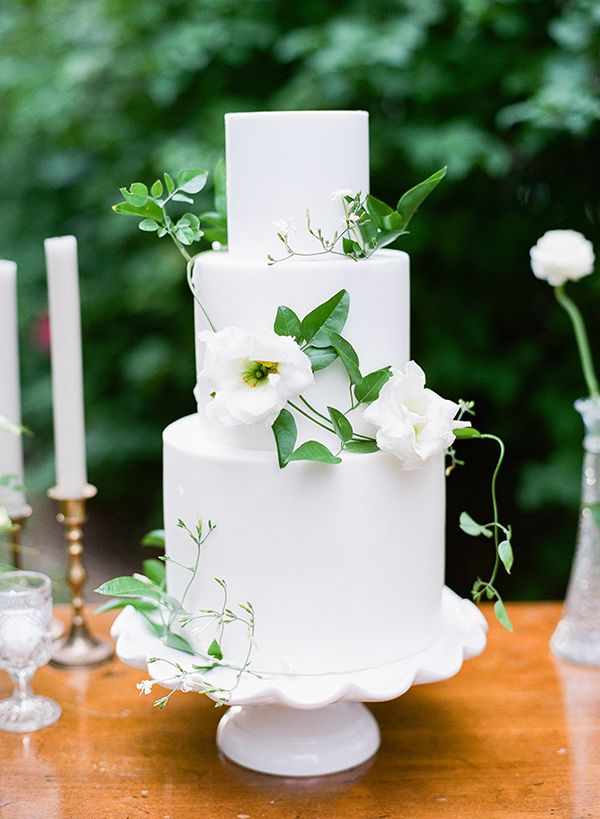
{"x": 79, "y": 649}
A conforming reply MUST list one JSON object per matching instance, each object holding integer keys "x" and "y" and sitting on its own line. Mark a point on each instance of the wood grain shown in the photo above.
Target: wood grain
{"x": 514, "y": 735}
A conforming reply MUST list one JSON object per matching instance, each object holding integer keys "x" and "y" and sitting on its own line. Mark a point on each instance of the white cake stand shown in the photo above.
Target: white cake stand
{"x": 308, "y": 725}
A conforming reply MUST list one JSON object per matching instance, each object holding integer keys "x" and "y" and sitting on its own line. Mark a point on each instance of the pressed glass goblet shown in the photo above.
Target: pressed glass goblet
{"x": 25, "y": 644}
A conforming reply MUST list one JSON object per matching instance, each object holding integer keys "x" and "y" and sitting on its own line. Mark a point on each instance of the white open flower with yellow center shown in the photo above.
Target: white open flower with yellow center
{"x": 252, "y": 375}
{"x": 413, "y": 423}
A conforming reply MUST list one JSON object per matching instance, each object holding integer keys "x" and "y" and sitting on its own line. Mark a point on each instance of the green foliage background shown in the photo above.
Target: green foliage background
{"x": 95, "y": 93}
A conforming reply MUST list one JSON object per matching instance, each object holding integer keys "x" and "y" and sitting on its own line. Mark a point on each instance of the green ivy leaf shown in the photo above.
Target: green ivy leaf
{"x": 314, "y": 451}
{"x": 120, "y": 603}
{"x": 369, "y": 387}
{"x": 149, "y": 210}
{"x": 157, "y": 188}
{"x": 348, "y": 357}
{"x": 154, "y": 538}
{"x": 130, "y": 587}
{"x": 362, "y": 447}
{"x": 501, "y": 615}
{"x": 169, "y": 183}
{"x": 378, "y": 210}
{"x": 413, "y": 198}
{"x": 214, "y": 650}
{"x": 192, "y": 181}
{"x": 285, "y": 432}
{"x": 506, "y": 554}
{"x": 471, "y": 527}
{"x": 177, "y": 641}
{"x": 287, "y": 323}
{"x": 342, "y": 426}
{"x": 327, "y": 318}
{"x": 148, "y": 225}
{"x": 320, "y": 357}
{"x": 181, "y": 197}
{"x": 467, "y": 432}
{"x": 155, "y": 571}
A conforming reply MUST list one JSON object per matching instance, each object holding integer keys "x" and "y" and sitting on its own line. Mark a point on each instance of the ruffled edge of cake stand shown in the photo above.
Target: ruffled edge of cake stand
{"x": 463, "y": 635}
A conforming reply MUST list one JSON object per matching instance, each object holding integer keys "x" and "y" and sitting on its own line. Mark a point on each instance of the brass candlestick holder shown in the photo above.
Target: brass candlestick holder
{"x": 78, "y": 648}
{"x": 18, "y": 519}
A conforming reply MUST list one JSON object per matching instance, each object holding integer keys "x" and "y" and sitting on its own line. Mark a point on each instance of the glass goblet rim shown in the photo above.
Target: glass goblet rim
{"x": 42, "y": 584}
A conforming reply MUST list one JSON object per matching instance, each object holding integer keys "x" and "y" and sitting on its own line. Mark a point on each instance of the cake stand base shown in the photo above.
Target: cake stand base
{"x": 273, "y": 739}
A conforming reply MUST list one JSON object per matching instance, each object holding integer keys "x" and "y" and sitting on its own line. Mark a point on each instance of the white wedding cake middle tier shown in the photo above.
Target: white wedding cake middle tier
{"x": 243, "y": 293}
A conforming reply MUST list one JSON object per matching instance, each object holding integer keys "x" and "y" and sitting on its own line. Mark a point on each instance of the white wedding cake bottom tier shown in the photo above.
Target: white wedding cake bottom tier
{"x": 344, "y": 565}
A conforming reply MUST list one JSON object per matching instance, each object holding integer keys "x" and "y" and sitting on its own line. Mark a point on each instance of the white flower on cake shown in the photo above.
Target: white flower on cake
{"x": 413, "y": 423}
{"x": 252, "y": 375}
{"x": 561, "y": 256}
{"x": 285, "y": 226}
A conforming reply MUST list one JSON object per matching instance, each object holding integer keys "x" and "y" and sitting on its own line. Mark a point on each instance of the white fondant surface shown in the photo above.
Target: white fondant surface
{"x": 247, "y": 294}
{"x": 279, "y": 163}
{"x": 343, "y": 564}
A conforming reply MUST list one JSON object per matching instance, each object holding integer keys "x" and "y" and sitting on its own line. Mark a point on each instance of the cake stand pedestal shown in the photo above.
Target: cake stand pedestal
{"x": 307, "y": 725}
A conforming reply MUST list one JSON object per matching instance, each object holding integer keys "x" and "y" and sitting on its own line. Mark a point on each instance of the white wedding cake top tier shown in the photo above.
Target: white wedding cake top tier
{"x": 281, "y": 163}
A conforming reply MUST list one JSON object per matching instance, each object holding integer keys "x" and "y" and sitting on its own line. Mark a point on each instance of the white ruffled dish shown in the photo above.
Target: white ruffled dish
{"x": 307, "y": 725}
{"x": 463, "y": 636}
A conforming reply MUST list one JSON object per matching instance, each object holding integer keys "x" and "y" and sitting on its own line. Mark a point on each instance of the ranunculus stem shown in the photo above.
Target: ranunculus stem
{"x": 583, "y": 344}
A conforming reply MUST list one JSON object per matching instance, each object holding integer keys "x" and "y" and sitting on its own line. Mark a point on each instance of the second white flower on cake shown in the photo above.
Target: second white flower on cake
{"x": 413, "y": 423}
{"x": 252, "y": 375}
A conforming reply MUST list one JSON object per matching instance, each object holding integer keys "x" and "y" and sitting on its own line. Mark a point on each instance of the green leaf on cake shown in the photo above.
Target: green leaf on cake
{"x": 377, "y": 210}
{"x": 130, "y": 587}
{"x": 348, "y": 356}
{"x": 285, "y": 432}
{"x": 174, "y": 640}
{"x": 314, "y": 451}
{"x": 149, "y": 210}
{"x": 287, "y": 323}
{"x": 192, "y": 181}
{"x": 155, "y": 571}
{"x": 329, "y": 317}
{"x": 505, "y": 553}
{"x": 149, "y": 225}
{"x": 342, "y": 426}
{"x": 369, "y": 387}
{"x": 157, "y": 188}
{"x": 120, "y": 603}
{"x": 320, "y": 357}
{"x": 362, "y": 447}
{"x": 412, "y": 199}
{"x": 501, "y": 615}
{"x": 154, "y": 538}
{"x": 169, "y": 183}
{"x": 471, "y": 527}
{"x": 466, "y": 432}
{"x": 214, "y": 650}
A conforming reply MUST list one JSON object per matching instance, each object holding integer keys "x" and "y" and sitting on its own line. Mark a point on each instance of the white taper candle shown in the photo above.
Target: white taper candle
{"x": 11, "y": 445}
{"x": 67, "y": 367}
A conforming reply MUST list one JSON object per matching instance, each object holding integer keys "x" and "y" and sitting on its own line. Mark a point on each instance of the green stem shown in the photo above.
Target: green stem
{"x": 582, "y": 339}
{"x": 310, "y": 418}
{"x": 497, "y": 526}
{"x": 190, "y": 281}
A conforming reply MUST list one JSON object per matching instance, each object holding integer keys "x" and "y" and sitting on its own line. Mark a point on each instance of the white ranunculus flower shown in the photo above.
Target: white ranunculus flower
{"x": 413, "y": 423}
{"x": 252, "y": 374}
{"x": 562, "y": 255}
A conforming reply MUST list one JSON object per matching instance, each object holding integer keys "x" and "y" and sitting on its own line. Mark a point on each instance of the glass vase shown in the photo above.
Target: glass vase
{"x": 577, "y": 636}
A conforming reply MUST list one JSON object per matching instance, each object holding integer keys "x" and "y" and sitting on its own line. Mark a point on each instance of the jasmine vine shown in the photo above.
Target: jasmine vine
{"x": 368, "y": 224}
{"x": 147, "y": 593}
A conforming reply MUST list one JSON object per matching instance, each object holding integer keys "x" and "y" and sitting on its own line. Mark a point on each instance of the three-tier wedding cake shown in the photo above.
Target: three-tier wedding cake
{"x": 343, "y": 564}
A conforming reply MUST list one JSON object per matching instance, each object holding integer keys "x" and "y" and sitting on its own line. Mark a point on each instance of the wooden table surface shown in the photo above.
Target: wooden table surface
{"x": 515, "y": 734}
